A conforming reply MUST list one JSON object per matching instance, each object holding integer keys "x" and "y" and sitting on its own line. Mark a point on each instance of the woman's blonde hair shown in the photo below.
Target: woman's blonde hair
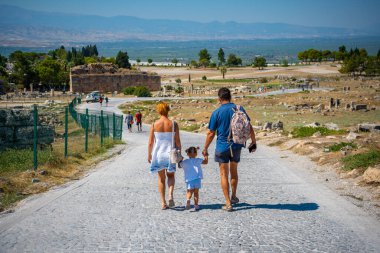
{"x": 163, "y": 108}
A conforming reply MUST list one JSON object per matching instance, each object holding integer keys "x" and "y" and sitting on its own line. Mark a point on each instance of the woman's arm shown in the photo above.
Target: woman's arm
{"x": 150, "y": 143}
{"x": 177, "y": 137}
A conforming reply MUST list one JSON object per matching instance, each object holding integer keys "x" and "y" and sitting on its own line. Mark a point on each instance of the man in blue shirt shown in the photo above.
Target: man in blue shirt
{"x": 227, "y": 153}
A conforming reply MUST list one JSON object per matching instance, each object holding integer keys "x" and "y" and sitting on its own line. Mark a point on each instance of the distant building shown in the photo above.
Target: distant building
{"x": 106, "y": 77}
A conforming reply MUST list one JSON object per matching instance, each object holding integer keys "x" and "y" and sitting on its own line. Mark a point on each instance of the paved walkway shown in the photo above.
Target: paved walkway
{"x": 117, "y": 208}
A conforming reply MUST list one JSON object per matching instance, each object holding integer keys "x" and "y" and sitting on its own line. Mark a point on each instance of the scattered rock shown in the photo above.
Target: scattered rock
{"x": 351, "y": 136}
{"x": 279, "y": 125}
{"x": 314, "y": 124}
{"x": 372, "y": 175}
{"x": 354, "y": 173}
{"x": 317, "y": 134}
{"x": 359, "y": 107}
{"x": 267, "y": 126}
{"x": 366, "y": 127}
{"x": 43, "y": 172}
{"x": 35, "y": 180}
{"x": 331, "y": 126}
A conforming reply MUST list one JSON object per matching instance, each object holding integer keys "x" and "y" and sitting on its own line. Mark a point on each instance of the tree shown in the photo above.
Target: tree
{"x": 178, "y": 80}
{"x": 88, "y": 60}
{"x": 326, "y": 54}
{"x": 175, "y": 62}
{"x": 260, "y": 62}
{"x": 51, "y": 73}
{"x": 233, "y": 60}
{"x": 221, "y": 58}
{"x": 302, "y": 56}
{"x": 204, "y": 58}
{"x": 150, "y": 61}
{"x": 3, "y": 65}
{"x": 122, "y": 60}
{"x": 223, "y": 70}
{"x": 284, "y": 63}
{"x": 138, "y": 60}
{"x": 24, "y": 67}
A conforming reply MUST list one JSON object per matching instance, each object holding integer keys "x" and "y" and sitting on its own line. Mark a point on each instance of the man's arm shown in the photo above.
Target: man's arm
{"x": 209, "y": 138}
{"x": 253, "y": 136}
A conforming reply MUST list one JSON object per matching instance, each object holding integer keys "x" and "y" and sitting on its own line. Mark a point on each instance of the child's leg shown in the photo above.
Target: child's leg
{"x": 196, "y": 196}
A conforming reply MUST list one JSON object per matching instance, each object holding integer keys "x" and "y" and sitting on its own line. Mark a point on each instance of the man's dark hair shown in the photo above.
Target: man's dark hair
{"x": 224, "y": 94}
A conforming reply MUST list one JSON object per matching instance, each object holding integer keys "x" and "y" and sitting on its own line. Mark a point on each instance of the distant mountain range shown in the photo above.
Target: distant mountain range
{"x": 21, "y": 27}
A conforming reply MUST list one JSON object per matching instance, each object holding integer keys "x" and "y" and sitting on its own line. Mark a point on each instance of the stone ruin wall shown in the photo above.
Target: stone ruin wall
{"x": 108, "y": 78}
{"x": 17, "y": 130}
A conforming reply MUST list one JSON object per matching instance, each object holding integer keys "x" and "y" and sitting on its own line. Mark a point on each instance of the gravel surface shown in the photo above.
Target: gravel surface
{"x": 116, "y": 208}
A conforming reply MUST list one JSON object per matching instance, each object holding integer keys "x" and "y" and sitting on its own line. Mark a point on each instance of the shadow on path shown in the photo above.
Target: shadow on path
{"x": 246, "y": 206}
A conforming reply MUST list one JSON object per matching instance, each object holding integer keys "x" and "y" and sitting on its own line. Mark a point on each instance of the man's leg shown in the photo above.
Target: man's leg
{"x": 234, "y": 178}
{"x": 224, "y": 171}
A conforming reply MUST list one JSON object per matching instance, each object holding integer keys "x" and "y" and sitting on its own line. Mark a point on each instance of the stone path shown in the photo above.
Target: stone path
{"x": 116, "y": 208}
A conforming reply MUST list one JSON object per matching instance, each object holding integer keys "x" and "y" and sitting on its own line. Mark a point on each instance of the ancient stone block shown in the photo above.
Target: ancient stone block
{"x": 108, "y": 78}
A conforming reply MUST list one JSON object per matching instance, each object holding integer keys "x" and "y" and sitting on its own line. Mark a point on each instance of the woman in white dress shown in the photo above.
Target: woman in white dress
{"x": 161, "y": 137}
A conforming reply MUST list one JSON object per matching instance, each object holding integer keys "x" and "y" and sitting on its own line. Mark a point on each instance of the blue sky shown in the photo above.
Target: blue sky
{"x": 332, "y": 13}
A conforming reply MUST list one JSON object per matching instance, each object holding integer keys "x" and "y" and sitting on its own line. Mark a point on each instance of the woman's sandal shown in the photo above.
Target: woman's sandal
{"x": 228, "y": 208}
{"x": 164, "y": 207}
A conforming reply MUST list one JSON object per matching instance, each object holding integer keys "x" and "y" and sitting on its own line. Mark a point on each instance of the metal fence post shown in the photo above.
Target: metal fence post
{"x": 101, "y": 128}
{"x": 114, "y": 126}
{"x": 66, "y": 128}
{"x": 121, "y": 127}
{"x": 108, "y": 126}
{"x": 35, "y": 136}
{"x": 86, "y": 142}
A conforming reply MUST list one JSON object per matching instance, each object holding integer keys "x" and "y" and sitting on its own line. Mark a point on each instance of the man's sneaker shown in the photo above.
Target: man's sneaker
{"x": 234, "y": 200}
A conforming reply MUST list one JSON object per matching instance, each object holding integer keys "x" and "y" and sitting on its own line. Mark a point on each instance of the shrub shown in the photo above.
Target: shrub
{"x": 179, "y": 90}
{"x": 263, "y": 80}
{"x": 129, "y": 90}
{"x": 363, "y": 160}
{"x": 338, "y": 146}
{"x": 142, "y": 91}
{"x": 309, "y": 131}
{"x": 204, "y": 77}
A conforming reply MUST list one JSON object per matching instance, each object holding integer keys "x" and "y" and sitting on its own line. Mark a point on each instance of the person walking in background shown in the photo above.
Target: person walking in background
{"x": 164, "y": 134}
{"x": 227, "y": 153}
{"x": 106, "y": 101}
{"x": 138, "y": 118}
{"x": 129, "y": 121}
{"x": 101, "y": 100}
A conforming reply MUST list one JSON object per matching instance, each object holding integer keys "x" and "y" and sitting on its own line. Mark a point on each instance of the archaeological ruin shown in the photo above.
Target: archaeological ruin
{"x": 106, "y": 77}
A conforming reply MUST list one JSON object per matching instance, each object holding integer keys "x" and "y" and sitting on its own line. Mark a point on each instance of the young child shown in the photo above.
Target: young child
{"x": 193, "y": 175}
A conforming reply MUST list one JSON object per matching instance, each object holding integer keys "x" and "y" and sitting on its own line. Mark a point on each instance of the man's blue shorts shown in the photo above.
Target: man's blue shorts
{"x": 226, "y": 157}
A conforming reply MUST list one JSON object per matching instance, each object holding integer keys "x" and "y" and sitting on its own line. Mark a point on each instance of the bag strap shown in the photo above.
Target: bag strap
{"x": 173, "y": 133}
